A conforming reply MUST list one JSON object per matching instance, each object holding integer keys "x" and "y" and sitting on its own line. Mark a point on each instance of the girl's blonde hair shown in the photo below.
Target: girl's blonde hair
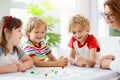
{"x": 34, "y": 22}
{"x": 80, "y": 20}
{"x": 10, "y": 23}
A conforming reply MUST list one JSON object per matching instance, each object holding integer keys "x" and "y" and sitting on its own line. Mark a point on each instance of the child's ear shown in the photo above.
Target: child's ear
{"x": 6, "y": 30}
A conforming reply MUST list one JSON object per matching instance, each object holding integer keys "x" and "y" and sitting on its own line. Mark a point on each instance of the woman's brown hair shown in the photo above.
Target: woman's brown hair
{"x": 114, "y": 6}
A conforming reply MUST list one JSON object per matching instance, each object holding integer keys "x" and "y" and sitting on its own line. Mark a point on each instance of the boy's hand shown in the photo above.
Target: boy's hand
{"x": 63, "y": 61}
{"x": 80, "y": 61}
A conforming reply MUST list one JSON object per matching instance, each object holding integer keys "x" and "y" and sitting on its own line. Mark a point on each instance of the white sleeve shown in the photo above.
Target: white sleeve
{"x": 115, "y": 65}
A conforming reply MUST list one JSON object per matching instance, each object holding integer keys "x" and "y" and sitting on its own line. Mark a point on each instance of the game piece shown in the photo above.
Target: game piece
{"x": 62, "y": 67}
{"x": 56, "y": 71}
{"x": 74, "y": 64}
{"x": 46, "y": 74}
{"x": 23, "y": 71}
{"x": 52, "y": 70}
{"x": 32, "y": 72}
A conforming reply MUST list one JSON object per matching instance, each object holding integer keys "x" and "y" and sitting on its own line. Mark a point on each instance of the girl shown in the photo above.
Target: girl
{"x": 84, "y": 46}
{"x": 34, "y": 44}
{"x": 12, "y": 57}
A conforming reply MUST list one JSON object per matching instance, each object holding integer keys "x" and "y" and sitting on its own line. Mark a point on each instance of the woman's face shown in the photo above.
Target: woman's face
{"x": 110, "y": 17}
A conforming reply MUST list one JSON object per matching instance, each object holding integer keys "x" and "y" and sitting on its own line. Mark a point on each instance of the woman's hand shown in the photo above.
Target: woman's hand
{"x": 104, "y": 61}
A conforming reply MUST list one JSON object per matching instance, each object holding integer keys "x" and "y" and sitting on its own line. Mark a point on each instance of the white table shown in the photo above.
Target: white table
{"x": 57, "y": 73}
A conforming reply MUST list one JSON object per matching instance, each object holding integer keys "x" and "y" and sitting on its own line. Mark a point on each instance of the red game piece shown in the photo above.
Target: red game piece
{"x": 23, "y": 71}
{"x": 62, "y": 67}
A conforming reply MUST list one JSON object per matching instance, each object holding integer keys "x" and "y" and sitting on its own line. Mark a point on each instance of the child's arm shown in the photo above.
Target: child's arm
{"x": 92, "y": 60}
{"x": 51, "y": 57}
{"x": 81, "y": 61}
{"x": 26, "y": 61}
{"x": 8, "y": 68}
{"x": 72, "y": 56}
{"x": 52, "y": 63}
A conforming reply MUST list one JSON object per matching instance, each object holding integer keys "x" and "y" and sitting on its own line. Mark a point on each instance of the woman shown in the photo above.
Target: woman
{"x": 112, "y": 17}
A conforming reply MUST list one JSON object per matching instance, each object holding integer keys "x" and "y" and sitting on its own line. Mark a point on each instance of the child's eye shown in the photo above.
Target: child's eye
{"x": 19, "y": 30}
{"x": 36, "y": 32}
{"x": 43, "y": 32}
{"x": 74, "y": 32}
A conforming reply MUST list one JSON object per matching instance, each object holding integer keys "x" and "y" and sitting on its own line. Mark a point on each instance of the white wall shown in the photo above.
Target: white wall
{"x": 109, "y": 45}
{"x": 4, "y": 8}
{"x": 89, "y": 8}
{"x": 83, "y": 7}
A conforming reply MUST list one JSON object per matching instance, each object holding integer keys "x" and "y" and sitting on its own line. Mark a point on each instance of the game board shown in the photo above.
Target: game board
{"x": 55, "y": 73}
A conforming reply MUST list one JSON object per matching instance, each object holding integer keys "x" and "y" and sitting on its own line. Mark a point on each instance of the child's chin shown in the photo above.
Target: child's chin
{"x": 79, "y": 40}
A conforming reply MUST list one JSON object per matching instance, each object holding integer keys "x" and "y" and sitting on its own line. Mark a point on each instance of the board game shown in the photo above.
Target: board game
{"x": 55, "y": 73}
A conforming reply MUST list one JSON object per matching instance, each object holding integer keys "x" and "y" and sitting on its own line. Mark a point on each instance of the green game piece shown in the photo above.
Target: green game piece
{"x": 56, "y": 71}
{"x": 32, "y": 72}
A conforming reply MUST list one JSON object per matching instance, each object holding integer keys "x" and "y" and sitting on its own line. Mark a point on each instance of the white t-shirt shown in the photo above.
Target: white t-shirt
{"x": 10, "y": 58}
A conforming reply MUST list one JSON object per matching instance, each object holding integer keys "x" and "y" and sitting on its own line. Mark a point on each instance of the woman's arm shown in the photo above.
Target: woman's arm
{"x": 103, "y": 59}
{"x": 105, "y": 64}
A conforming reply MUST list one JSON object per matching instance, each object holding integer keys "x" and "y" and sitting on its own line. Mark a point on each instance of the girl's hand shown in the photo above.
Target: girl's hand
{"x": 80, "y": 61}
{"x": 19, "y": 66}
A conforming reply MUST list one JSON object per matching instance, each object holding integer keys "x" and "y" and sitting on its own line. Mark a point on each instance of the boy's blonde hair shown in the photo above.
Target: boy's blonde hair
{"x": 79, "y": 20}
{"x": 34, "y": 22}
